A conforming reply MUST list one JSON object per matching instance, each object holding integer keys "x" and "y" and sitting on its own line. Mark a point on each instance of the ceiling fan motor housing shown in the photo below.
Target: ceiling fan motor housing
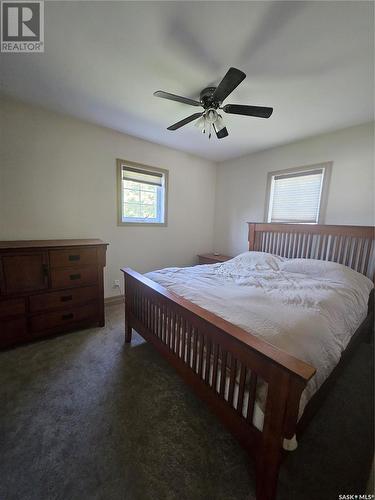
{"x": 206, "y": 98}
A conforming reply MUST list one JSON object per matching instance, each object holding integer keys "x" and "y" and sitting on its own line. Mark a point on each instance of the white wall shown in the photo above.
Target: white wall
{"x": 241, "y": 183}
{"x": 58, "y": 180}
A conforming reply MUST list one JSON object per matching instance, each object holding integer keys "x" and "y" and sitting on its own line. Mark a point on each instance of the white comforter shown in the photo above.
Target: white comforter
{"x": 306, "y": 307}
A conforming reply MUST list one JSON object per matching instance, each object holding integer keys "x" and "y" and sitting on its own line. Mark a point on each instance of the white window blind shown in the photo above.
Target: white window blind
{"x": 142, "y": 176}
{"x": 295, "y": 197}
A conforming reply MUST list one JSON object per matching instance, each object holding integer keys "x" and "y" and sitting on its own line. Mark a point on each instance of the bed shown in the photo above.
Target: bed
{"x": 261, "y": 338}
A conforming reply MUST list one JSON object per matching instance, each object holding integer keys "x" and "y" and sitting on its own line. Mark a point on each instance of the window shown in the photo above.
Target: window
{"x": 142, "y": 194}
{"x": 298, "y": 195}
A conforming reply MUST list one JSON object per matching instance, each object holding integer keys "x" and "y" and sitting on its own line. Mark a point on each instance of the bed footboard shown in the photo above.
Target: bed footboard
{"x": 224, "y": 365}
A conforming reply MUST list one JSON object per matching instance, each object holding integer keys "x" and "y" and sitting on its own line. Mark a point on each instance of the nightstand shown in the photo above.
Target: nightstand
{"x": 211, "y": 258}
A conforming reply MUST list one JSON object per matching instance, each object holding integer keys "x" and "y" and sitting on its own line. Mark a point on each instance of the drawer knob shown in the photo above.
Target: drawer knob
{"x": 75, "y": 276}
{"x": 65, "y": 298}
{"x": 74, "y": 257}
{"x": 67, "y": 316}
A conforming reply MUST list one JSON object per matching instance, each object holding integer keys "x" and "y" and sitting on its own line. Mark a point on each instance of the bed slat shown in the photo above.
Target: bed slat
{"x": 223, "y": 374}
{"x": 215, "y": 366}
{"x": 241, "y": 389}
{"x": 208, "y": 361}
{"x": 194, "y": 349}
{"x": 252, "y": 396}
{"x": 232, "y": 378}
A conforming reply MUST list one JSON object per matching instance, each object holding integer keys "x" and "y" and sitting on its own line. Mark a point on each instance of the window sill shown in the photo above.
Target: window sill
{"x": 143, "y": 224}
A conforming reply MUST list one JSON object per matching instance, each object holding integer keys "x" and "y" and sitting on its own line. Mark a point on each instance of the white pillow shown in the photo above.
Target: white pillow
{"x": 327, "y": 270}
{"x": 251, "y": 261}
{"x": 313, "y": 267}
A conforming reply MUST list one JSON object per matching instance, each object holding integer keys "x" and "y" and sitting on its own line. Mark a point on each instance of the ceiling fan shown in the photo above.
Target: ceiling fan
{"x": 211, "y": 99}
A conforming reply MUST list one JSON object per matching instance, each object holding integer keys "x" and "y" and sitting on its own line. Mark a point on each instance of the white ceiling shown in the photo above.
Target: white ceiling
{"x": 311, "y": 61}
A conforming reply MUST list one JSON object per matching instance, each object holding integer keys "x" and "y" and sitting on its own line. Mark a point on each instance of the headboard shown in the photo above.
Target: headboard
{"x": 352, "y": 246}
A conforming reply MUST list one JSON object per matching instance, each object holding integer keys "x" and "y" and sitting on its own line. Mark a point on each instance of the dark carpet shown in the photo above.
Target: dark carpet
{"x": 84, "y": 417}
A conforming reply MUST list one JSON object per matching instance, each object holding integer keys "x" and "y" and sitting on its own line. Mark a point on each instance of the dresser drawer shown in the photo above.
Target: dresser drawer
{"x": 72, "y": 257}
{"x": 12, "y": 331}
{"x": 66, "y": 298}
{"x": 12, "y": 307}
{"x": 50, "y": 320}
{"x": 74, "y": 276}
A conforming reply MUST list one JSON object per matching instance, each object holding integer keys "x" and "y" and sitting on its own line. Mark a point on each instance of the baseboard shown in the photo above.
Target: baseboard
{"x": 115, "y": 299}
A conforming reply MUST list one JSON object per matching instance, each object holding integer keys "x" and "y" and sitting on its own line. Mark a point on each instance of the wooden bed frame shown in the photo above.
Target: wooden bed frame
{"x": 172, "y": 323}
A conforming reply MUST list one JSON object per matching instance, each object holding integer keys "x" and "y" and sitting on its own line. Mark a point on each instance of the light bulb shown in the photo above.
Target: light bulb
{"x": 200, "y": 123}
{"x": 211, "y": 115}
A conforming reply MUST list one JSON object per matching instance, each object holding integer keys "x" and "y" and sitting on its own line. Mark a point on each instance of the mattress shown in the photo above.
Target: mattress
{"x": 306, "y": 307}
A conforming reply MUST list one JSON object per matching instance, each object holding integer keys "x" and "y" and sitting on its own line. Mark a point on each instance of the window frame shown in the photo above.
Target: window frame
{"x": 119, "y": 164}
{"x": 326, "y": 166}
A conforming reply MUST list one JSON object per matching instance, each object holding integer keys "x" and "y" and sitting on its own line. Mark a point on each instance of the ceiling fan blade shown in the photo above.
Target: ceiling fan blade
{"x": 185, "y": 121}
{"x": 230, "y": 81}
{"x": 222, "y": 133}
{"x": 239, "y": 109}
{"x": 178, "y": 98}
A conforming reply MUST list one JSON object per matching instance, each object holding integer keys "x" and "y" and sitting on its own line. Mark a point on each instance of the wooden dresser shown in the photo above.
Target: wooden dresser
{"x": 49, "y": 287}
